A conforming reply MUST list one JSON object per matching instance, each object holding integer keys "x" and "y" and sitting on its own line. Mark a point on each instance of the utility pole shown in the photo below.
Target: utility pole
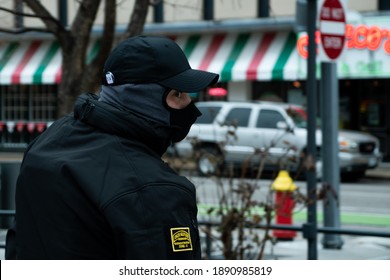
{"x": 263, "y": 8}
{"x": 208, "y": 9}
{"x": 310, "y": 228}
{"x": 63, "y": 12}
{"x": 18, "y": 19}
{"x": 158, "y": 12}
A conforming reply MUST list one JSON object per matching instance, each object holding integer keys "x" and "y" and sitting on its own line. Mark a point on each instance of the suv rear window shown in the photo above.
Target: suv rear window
{"x": 238, "y": 117}
{"x": 208, "y": 114}
{"x": 269, "y": 119}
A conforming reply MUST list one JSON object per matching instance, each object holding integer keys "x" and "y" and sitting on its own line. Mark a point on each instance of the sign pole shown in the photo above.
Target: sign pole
{"x": 332, "y": 28}
{"x": 330, "y": 159}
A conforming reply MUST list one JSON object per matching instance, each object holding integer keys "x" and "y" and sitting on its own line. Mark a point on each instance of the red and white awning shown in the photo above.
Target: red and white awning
{"x": 30, "y": 62}
{"x": 34, "y": 62}
{"x": 243, "y": 56}
{"x": 235, "y": 56}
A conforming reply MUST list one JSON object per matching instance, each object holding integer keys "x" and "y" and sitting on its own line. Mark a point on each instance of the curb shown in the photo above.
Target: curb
{"x": 381, "y": 172}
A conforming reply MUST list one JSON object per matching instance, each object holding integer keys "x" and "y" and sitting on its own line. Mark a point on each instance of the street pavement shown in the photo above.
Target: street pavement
{"x": 354, "y": 247}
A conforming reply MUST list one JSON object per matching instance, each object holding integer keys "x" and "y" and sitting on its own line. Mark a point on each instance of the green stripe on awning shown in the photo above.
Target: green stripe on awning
{"x": 94, "y": 51}
{"x": 226, "y": 73}
{"x": 37, "y": 79}
{"x": 191, "y": 44}
{"x": 289, "y": 46}
{"x": 8, "y": 53}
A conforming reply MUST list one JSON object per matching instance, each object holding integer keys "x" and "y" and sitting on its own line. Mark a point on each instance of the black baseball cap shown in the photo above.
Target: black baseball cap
{"x": 154, "y": 59}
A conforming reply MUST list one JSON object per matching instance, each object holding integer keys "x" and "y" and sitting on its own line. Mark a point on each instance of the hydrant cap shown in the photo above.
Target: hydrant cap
{"x": 283, "y": 182}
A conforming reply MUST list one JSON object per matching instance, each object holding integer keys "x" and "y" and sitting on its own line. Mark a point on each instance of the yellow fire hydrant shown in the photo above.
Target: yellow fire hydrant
{"x": 284, "y": 204}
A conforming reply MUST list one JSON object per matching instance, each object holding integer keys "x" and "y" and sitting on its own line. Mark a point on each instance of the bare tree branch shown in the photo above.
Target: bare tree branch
{"x": 85, "y": 16}
{"x": 94, "y": 68}
{"x": 51, "y": 23}
{"x": 109, "y": 24}
{"x": 16, "y": 13}
{"x": 77, "y": 76}
{"x": 23, "y": 30}
{"x": 81, "y": 29}
{"x": 137, "y": 19}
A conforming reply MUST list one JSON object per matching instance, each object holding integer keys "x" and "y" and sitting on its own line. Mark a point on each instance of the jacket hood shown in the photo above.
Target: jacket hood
{"x": 123, "y": 123}
{"x": 144, "y": 100}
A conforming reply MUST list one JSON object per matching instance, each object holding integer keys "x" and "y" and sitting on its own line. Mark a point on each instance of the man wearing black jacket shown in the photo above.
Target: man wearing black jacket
{"x": 93, "y": 185}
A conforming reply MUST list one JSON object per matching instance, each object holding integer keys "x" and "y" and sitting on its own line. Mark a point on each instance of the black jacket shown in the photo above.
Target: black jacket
{"x": 93, "y": 186}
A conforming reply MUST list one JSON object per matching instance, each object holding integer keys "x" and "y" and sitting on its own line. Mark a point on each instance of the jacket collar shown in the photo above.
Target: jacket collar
{"x": 122, "y": 123}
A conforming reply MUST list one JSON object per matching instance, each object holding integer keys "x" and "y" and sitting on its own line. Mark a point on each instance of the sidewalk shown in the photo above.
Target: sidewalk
{"x": 353, "y": 247}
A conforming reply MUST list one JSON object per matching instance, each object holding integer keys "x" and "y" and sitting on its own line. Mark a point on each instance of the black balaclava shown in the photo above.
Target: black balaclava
{"x": 149, "y": 102}
{"x": 181, "y": 119}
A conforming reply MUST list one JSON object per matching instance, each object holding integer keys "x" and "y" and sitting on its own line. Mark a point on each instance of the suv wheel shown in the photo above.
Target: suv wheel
{"x": 352, "y": 176}
{"x": 209, "y": 161}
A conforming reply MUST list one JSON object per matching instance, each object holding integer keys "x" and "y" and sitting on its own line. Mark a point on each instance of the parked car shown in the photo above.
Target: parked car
{"x": 246, "y": 132}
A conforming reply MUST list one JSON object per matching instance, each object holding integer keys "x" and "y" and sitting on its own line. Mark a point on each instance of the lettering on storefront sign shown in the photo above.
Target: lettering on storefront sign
{"x": 370, "y": 67}
{"x": 360, "y": 37}
{"x": 365, "y": 68}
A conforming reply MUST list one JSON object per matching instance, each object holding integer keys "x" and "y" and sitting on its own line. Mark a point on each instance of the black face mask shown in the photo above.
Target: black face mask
{"x": 182, "y": 120}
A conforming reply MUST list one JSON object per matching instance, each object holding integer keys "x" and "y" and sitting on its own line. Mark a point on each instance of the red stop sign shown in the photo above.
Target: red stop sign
{"x": 332, "y": 28}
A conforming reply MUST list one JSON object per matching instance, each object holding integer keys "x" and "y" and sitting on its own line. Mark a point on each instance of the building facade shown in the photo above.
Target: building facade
{"x": 258, "y": 52}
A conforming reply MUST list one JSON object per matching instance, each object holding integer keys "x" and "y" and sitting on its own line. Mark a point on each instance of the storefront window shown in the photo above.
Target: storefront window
{"x": 275, "y": 91}
{"x": 25, "y": 112}
{"x": 28, "y": 102}
{"x": 372, "y": 113}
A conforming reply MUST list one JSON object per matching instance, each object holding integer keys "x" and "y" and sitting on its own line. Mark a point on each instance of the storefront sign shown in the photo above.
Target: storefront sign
{"x": 359, "y": 37}
{"x": 217, "y": 92}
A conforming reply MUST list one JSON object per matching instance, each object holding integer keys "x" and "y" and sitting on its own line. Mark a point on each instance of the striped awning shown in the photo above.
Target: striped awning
{"x": 235, "y": 56}
{"x": 34, "y": 62}
{"x": 244, "y": 56}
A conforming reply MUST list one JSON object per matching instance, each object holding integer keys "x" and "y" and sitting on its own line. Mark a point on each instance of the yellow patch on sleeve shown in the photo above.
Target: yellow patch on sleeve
{"x": 181, "y": 239}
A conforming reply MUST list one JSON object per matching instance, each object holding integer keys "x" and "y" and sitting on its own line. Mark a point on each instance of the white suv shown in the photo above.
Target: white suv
{"x": 246, "y": 132}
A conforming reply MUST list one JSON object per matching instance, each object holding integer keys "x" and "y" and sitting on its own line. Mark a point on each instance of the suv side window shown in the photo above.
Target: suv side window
{"x": 238, "y": 117}
{"x": 269, "y": 119}
{"x": 208, "y": 114}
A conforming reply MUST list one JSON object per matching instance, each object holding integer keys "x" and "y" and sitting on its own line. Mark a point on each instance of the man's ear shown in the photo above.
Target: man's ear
{"x": 164, "y": 98}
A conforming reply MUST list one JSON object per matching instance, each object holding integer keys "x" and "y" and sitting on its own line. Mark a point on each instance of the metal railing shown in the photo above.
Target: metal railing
{"x": 306, "y": 230}
{"x": 5, "y": 214}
